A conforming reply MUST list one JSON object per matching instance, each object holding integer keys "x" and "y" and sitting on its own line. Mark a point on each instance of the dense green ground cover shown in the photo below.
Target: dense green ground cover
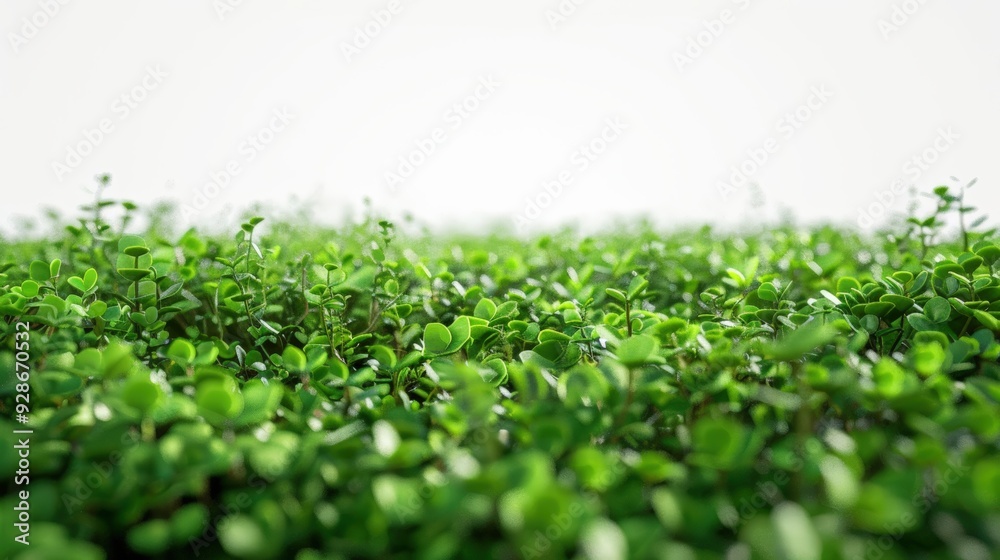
{"x": 293, "y": 392}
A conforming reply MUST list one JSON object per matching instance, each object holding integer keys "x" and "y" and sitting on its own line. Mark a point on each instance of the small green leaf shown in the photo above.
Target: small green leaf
{"x": 801, "y": 341}
{"x": 437, "y": 337}
{"x": 181, "y": 351}
{"x": 920, "y": 283}
{"x": 76, "y": 283}
{"x": 219, "y": 398}
{"x": 29, "y": 288}
{"x": 141, "y": 393}
{"x": 637, "y": 350}
{"x": 89, "y": 279}
{"x": 901, "y": 303}
{"x": 485, "y": 309}
{"x": 920, "y": 322}
{"x": 879, "y": 308}
{"x": 767, "y": 292}
{"x": 130, "y": 241}
{"x": 39, "y": 271}
{"x": 970, "y": 264}
{"x": 636, "y": 287}
{"x": 97, "y": 309}
{"x": 937, "y": 309}
{"x": 294, "y": 359}
{"x": 846, "y": 284}
{"x": 987, "y": 320}
{"x": 461, "y": 331}
{"x": 616, "y": 294}
{"x": 549, "y": 334}
{"x": 391, "y": 287}
{"x": 136, "y": 251}
{"x": 990, "y": 254}
{"x": 870, "y": 323}
{"x": 133, "y": 274}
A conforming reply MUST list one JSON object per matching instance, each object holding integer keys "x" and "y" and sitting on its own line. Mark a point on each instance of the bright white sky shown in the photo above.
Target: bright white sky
{"x": 893, "y": 89}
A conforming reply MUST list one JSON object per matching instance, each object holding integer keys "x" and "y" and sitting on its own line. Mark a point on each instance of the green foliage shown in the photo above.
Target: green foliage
{"x": 294, "y": 392}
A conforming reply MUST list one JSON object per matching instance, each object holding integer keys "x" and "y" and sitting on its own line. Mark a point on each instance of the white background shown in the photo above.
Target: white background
{"x": 228, "y": 70}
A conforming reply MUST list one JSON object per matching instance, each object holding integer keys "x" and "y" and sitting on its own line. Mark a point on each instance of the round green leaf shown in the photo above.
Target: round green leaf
{"x": 133, "y": 274}
{"x": 437, "y": 337}
{"x": 637, "y": 350}
{"x": 937, "y": 309}
{"x": 920, "y": 322}
{"x": 29, "y": 288}
{"x": 136, "y": 251}
{"x": 294, "y": 359}
{"x": 39, "y": 271}
{"x": 182, "y": 352}
{"x": 141, "y": 393}
{"x": 219, "y": 398}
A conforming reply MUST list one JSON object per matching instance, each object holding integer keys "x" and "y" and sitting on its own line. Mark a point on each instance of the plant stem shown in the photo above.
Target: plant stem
{"x": 249, "y": 245}
{"x": 899, "y": 337}
{"x": 138, "y": 304}
{"x": 965, "y": 327}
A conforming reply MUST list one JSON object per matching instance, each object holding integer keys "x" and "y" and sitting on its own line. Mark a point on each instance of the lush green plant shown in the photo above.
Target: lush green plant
{"x": 298, "y": 392}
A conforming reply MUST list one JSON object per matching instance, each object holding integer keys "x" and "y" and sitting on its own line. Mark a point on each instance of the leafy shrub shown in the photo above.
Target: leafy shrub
{"x": 309, "y": 393}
